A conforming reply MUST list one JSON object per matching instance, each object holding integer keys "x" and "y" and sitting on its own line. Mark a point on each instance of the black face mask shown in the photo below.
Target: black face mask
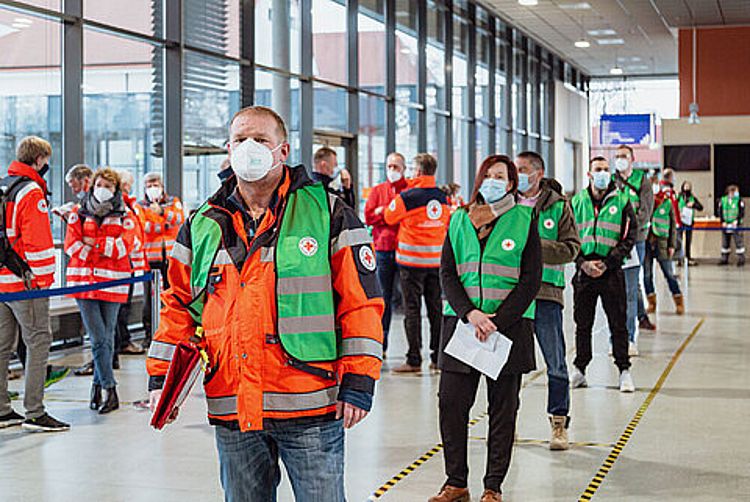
{"x": 44, "y": 170}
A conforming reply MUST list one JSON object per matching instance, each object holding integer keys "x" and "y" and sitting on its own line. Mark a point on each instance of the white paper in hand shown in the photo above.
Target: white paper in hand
{"x": 487, "y": 357}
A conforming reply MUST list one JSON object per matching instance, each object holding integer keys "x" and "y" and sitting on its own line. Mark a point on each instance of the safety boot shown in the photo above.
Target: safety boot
{"x": 491, "y": 496}
{"x": 679, "y": 304}
{"x": 651, "y": 303}
{"x": 450, "y": 493}
{"x": 559, "y": 440}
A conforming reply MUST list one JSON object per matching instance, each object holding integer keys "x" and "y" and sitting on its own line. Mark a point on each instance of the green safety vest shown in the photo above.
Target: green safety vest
{"x": 730, "y": 208}
{"x": 304, "y": 292}
{"x": 660, "y": 219}
{"x": 634, "y": 196}
{"x": 489, "y": 275}
{"x": 681, "y": 202}
{"x": 549, "y": 221}
{"x": 599, "y": 233}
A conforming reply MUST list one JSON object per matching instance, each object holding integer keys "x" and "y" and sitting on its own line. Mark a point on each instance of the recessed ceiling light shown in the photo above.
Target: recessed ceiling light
{"x": 582, "y": 43}
{"x": 22, "y": 20}
{"x": 19, "y": 26}
{"x": 602, "y": 33}
{"x": 575, "y": 6}
{"x": 615, "y": 71}
{"x": 610, "y": 41}
{"x": 528, "y": 3}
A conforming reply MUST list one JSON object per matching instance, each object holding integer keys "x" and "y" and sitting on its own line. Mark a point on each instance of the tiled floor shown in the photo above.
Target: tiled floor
{"x": 691, "y": 444}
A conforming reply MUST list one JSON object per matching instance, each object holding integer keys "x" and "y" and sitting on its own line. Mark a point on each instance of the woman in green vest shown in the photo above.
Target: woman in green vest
{"x": 688, "y": 204}
{"x": 731, "y": 211}
{"x": 490, "y": 272}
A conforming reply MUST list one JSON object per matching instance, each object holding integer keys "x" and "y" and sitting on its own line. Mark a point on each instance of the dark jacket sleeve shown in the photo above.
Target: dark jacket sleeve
{"x": 512, "y": 309}
{"x": 566, "y": 247}
{"x": 646, "y": 209}
{"x": 672, "y": 241}
{"x": 451, "y": 284}
{"x": 719, "y": 211}
{"x": 697, "y": 204}
{"x": 347, "y": 194}
{"x": 622, "y": 250}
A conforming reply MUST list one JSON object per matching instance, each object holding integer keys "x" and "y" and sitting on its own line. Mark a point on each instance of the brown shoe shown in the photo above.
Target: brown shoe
{"x": 651, "y": 308}
{"x": 491, "y": 496}
{"x": 451, "y": 494}
{"x": 646, "y": 324}
{"x": 679, "y": 304}
{"x": 406, "y": 368}
{"x": 133, "y": 349}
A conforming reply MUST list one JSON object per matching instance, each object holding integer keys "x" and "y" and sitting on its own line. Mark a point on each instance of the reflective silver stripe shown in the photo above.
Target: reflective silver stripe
{"x": 116, "y": 290}
{"x": 420, "y": 249}
{"x": 120, "y": 245}
{"x": 112, "y": 220}
{"x": 110, "y": 274}
{"x": 607, "y": 241}
{"x": 585, "y": 224}
{"x": 170, "y": 217}
{"x": 10, "y": 279}
{"x": 614, "y": 227}
{"x": 182, "y": 254}
{"x": 740, "y": 250}
{"x": 495, "y": 294}
{"x": 501, "y": 270}
{"x": 308, "y": 324}
{"x": 147, "y": 228}
{"x": 277, "y": 401}
{"x": 361, "y": 346}
{"x": 161, "y": 350}
{"x": 588, "y": 239}
{"x": 157, "y": 228}
{"x": 408, "y": 259}
{"x": 85, "y": 252}
{"x": 267, "y": 255}
{"x": 222, "y": 406}
{"x": 41, "y": 255}
{"x": 349, "y": 238}
{"x": 223, "y": 258}
{"x": 109, "y": 246}
{"x": 80, "y": 271}
{"x": 663, "y": 221}
{"x": 472, "y": 291}
{"x": 465, "y": 268}
{"x": 299, "y": 285}
{"x": 74, "y": 248}
{"x": 152, "y": 245}
{"x": 45, "y": 270}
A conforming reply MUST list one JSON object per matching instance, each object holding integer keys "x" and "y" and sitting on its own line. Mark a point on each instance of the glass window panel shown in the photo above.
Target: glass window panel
{"x": 483, "y": 18}
{"x": 277, "y": 34}
{"x": 329, "y": 40}
{"x": 212, "y": 25}
{"x": 462, "y": 149}
{"x": 501, "y": 141}
{"x": 501, "y": 111}
{"x": 437, "y": 131}
{"x": 282, "y": 94}
{"x": 30, "y": 89}
{"x": 123, "y": 119}
{"x": 211, "y": 96}
{"x": 330, "y": 110}
{"x": 407, "y": 139}
{"x": 436, "y": 55}
{"x": 371, "y": 35}
{"x": 482, "y": 76}
{"x": 406, "y": 16}
{"x": 407, "y": 55}
{"x": 460, "y": 67}
{"x": 500, "y": 57}
{"x": 142, "y": 16}
{"x": 482, "y": 142}
{"x": 46, "y": 4}
{"x": 371, "y": 145}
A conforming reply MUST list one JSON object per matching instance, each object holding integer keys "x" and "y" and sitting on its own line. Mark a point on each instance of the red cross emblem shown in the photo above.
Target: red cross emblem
{"x": 308, "y": 246}
{"x": 366, "y": 258}
{"x": 434, "y": 210}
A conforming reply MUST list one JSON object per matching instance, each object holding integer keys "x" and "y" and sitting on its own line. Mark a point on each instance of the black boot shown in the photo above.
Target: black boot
{"x": 111, "y": 403}
{"x": 116, "y": 362}
{"x": 96, "y": 397}
{"x": 724, "y": 259}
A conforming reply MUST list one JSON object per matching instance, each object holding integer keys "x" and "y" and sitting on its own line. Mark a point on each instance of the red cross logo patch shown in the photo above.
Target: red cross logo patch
{"x": 367, "y": 258}
{"x": 434, "y": 210}
{"x": 308, "y": 246}
{"x": 509, "y": 244}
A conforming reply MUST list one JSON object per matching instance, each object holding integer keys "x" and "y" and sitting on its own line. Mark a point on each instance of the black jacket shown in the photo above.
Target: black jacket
{"x": 346, "y": 194}
{"x": 509, "y": 320}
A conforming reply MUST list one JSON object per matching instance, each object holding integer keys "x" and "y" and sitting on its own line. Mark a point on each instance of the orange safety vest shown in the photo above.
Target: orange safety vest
{"x": 161, "y": 229}
{"x": 138, "y": 255}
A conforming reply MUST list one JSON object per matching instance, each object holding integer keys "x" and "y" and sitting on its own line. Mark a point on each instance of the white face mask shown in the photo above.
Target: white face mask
{"x": 251, "y": 161}
{"x": 154, "y": 193}
{"x": 393, "y": 175}
{"x": 103, "y": 194}
{"x": 622, "y": 164}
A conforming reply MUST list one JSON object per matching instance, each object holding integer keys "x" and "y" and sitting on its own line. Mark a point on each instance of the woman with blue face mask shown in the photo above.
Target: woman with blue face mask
{"x": 490, "y": 272}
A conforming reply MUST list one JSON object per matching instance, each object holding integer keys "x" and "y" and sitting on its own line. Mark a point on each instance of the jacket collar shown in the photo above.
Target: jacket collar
{"x": 551, "y": 192}
{"x": 20, "y": 169}
{"x": 423, "y": 181}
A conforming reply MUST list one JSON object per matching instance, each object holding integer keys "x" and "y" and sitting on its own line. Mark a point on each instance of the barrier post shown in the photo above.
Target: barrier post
{"x": 155, "y": 300}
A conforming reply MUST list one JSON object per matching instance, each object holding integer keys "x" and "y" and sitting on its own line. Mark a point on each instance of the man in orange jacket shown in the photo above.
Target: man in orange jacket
{"x": 161, "y": 215}
{"x": 29, "y": 263}
{"x": 281, "y": 277}
{"x": 422, "y": 213}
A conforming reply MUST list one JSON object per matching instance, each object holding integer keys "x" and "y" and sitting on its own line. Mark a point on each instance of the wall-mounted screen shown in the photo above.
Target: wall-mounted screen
{"x": 732, "y": 166}
{"x": 688, "y": 157}
{"x": 630, "y": 129}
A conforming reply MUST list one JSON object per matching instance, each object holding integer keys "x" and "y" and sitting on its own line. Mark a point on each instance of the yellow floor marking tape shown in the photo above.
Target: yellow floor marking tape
{"x": 609, "y": 462}
{"x": 544, "y": 441}
{"x": 383, "y": 489}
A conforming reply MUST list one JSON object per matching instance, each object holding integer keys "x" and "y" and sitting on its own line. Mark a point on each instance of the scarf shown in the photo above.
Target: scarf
{"x": 483, "y": 215}
{"x": 91, "y": 206}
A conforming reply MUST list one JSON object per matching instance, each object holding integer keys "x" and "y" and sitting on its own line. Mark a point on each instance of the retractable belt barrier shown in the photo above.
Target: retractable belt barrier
{"x": 44, "y": 293}
{"x": 716, "y": 229}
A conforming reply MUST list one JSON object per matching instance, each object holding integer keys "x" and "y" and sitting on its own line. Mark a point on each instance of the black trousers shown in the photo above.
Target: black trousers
{"x": 456, "y": 397}
{"x": 610, "y": 287}
{"x": 415, "y": 284}
{"x": 147, "y": 294}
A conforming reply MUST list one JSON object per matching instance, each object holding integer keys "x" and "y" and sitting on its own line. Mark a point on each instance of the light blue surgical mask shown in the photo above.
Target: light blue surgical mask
{"x": 601, "y": 179}
{"x": 493, "y": 190}
{"x": 81, "y": 195}
{"x": 523, "y": 182}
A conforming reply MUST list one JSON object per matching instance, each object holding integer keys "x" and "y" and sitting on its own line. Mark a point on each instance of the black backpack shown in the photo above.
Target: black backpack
{"x": 9, "y": 258}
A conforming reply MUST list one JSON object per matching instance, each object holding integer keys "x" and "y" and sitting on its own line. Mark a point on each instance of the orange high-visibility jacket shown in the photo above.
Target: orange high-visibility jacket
{"x": 252, "y": 379}
{"x": 423, "y": 214}
{"x": 28, "y": 228}
{"x": 161, "y": 229}
{"x": 107, "y": 260}
{"x": 138, "y": 255}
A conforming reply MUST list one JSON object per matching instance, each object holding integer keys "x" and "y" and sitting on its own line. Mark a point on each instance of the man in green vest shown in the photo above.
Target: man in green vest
{"x": 607, "y": 229}
{"x": 731, "y": 211}
{"x": 637, "y": 188}
{"x": 560, "y": 245}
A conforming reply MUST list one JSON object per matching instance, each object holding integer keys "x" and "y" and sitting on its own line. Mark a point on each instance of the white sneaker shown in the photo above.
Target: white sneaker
{"x": 577, "y": 379}
{"x": 633, "y": 349}
{"x": 626, "y": 382}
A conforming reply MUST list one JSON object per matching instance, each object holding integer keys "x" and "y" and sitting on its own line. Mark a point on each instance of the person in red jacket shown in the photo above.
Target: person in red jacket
{"x": 31, "y": 266}
{"x": 98, "y": 242}
{"x": 385, "y": 236}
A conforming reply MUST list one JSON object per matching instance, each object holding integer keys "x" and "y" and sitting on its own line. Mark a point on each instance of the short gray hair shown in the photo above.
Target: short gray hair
{"x": 126, "y": 176}
{"x": 153, "y": 176}
{"x": 78, "y": 172}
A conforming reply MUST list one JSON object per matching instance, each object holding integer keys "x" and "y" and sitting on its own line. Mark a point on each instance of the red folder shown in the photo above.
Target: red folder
{"x": 182, "y": 375}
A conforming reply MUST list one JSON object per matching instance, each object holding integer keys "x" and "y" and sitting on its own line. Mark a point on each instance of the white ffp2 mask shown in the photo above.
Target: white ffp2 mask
{"x": 103, "y": 194}
{"x": 251, "y": 161}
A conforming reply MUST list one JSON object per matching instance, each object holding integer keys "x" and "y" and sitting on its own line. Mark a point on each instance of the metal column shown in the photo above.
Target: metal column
{"x": 72, "y": 85}
{"x": 173, "y": 56}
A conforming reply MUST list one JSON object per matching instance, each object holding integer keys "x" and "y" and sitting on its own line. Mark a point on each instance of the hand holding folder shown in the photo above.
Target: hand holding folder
{"x": 183, "y": 373}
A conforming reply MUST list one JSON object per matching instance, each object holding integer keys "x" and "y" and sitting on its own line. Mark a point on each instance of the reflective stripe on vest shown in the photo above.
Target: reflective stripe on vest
{"x": 277, "y": 401}
{"x": 489, "y": 275}
{"x": 161, "y": 350}
{"x": 601, "y": 232}
{"x": 660, "y": 219}
{"x": 361, "y": 346}
{"x": 549, "y": 222}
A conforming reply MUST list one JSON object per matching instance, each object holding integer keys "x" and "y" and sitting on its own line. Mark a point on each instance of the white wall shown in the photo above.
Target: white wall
{"x": 571, "y": 124}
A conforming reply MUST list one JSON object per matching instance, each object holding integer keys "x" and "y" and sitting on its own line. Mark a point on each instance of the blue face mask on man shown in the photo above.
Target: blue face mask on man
{"x": 493, "y": 190}
{"x": 523, "y": 182}
{"x": 601, "y": 179}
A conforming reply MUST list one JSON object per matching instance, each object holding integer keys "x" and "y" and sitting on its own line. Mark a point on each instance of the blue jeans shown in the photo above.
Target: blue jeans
{"x": 387, "y": 272}
{"x": 99, "y": 320}
{"x": 548, "y": 325}
{"x": 667, "y": 268}
{"x": 313, "y": 455}
{"x": 640, "y": 249}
